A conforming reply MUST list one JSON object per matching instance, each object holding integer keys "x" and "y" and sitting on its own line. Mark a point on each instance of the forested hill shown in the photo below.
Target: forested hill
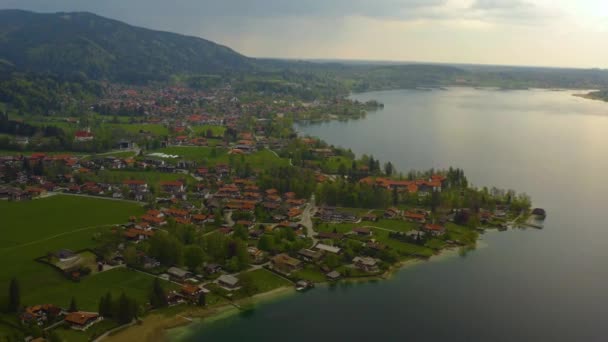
{"x": 84, "y": 44}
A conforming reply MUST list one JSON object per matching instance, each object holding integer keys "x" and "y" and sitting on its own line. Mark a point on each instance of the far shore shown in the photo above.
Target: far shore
{"x": 154, "y": 327}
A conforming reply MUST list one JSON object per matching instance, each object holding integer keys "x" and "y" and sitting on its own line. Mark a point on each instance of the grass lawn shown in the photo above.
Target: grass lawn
{"x": 311, "y": 273}
{"x": 155, "y": 129}
{"x": 265, "y": 280}
{"x": 202, "y": 130}
{"x": 258, "y": 160}
{"x": 29, "y": 153}
{"x": 197, "y": 153}
{"x": 9, "y": 328}
{"x": 394, "y": 225}
{"x": 332, "y": 164}
{"x": 153, "y": 178}
{"x": 117, "y": 154}
{"x": 34, "y": 228}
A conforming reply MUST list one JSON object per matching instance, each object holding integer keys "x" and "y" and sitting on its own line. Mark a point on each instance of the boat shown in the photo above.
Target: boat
{"x": 303, "y": 285}
{"x": 539, "y": 213}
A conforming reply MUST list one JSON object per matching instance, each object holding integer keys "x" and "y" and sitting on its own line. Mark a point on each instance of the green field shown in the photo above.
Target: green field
{"x": 258, "y": 160}
{"x": 265, "y": 280}
{"x": 310, "y": 273}
{"x": 153, "y": 178}
{"x": 34, "y": 228}
{"x": 155, "y": 129}
{"x": 29, "y": 153}
{"x": 381, "y": 235}
{"x": 202, "y": 130}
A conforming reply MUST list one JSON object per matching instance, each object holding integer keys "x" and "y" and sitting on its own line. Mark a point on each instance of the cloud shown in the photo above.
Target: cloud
{"x": 515, "y": 12}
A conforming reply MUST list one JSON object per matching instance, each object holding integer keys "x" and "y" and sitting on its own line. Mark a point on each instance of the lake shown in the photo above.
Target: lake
{"x": 520, "y": 285}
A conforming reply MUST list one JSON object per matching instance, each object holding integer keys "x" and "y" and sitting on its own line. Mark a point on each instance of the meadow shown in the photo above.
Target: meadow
{"x": 34, "y": 228}
{"x": 205, "y": 156}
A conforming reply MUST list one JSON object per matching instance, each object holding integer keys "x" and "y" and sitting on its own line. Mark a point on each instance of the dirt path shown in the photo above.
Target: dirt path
{"x": 54, "y": 237}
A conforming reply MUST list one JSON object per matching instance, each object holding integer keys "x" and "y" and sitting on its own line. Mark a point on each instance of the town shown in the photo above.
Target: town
{"x": 211, "y": 199}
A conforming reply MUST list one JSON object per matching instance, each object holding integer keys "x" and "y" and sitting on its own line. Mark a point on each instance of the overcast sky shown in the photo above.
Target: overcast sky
{"x": 514, "y": 32}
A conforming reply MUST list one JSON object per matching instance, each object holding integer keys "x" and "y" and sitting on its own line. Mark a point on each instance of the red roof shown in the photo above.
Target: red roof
{"x": 434, "y": 227}
{"x": 83, "y": 134}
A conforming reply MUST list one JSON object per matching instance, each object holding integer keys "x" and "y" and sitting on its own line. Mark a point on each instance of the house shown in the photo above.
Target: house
{"x": 136, "y": 185}
{"x": 191, "y": 292}
{"x": 285, "y": 264}
{"x": 414, "y": 217}
{"x": 178, "y": 274}
{"x": 370, "y": 217}
{"x": 311, "y": 256}
{"x": 83, "y": 136}
{"x": 377, "y": 246}
{"x": 391, "y": 213}
{"x": 256, "y": 255}
{"x": 136, "y": 234}
{"x": 294, "y": 213}
{"x": 333, "y": 275}
{"x": 212, "y": 268}
{"x": 81, "y": 320}
{"x": 200, "y": 218}
{"x": 327, "y": 248}
{"x": 40, "y": 314}
{"x": 362, "y": 231}
{"x": 172, "y": 186}
{"x": 228, "y": 281}
{"x": 366, "y": 264}
{"x": 434, "y": 229}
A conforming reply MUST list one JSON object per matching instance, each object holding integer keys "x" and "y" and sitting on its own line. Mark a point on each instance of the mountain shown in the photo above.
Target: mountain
{"x": 102, "y": 48}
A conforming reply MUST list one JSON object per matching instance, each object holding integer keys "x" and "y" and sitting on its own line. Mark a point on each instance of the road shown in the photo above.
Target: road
{"x": 97, "y": 197}
{"x": 306, "y": 220}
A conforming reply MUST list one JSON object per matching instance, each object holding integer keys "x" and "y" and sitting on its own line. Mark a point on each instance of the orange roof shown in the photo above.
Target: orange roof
{"x": 435, "y": 227}
{"x": 152, "y": 219}
{"x": 80, "y": 318}
{"x": 190, "y": 290}
{"x": 182, "y": 220}
{"x": 199, "y": 217}
{"x": 411, "y": 215}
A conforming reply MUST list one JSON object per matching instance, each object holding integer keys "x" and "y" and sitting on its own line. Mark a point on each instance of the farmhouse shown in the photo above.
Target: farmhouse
{"x": 81, "y": 320}
{"x": 366, "y": 264}
{"x": 327, "y": 248}
{"x": 310, "y": 255}
{"x": 178, "y": 274}
{"x": 434, "y": 229}
{"x": 228, "y": 281}
{"x": 285, "y": 264}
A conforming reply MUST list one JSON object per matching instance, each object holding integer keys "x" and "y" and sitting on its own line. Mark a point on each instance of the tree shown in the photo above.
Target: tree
{"x": 14, "y": 296}
{"x": 124, "y": 310}
{"x": 73, "y": 305}
{"x": 130, "y": 255}
{"x": 342, "y": 169}
{"x": 266, "y": 243}
{"x": 106, "y": 305}
{"x": 158, "y": 298}
{"x": 389, "y": 169}
{"x": 193, "y": 257}
{"x": 202, "y": 300}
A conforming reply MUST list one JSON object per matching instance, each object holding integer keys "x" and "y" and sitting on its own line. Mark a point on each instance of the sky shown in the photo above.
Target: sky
{"x": 565, "y": 33}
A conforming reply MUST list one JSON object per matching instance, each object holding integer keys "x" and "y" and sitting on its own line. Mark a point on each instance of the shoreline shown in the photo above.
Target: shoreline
{"x": 157, "y": 327}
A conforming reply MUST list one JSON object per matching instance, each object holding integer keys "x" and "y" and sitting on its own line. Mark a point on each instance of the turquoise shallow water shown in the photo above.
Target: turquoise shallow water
{"x": 528, "y": 285}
